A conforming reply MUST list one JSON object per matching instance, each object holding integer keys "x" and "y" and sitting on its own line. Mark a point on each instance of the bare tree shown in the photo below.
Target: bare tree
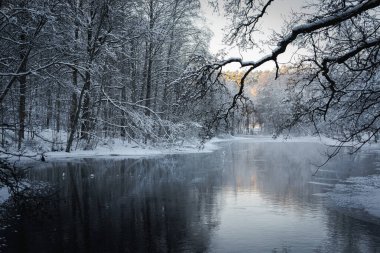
{"x": 336, "y": 84}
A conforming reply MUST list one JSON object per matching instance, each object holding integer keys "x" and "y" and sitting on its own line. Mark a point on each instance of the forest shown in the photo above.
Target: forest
{"x": 76, "y": 73}
{"x": 123, "y": 130}
{"x": 90, "y": 70}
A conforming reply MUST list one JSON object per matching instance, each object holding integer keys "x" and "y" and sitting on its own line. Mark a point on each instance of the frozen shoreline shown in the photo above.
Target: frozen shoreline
{"x": 118, "y": 148}
{"x": 121, "y": 149}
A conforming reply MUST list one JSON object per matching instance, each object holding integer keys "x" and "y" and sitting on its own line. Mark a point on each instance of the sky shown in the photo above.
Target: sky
{"x": 273, "y": 20}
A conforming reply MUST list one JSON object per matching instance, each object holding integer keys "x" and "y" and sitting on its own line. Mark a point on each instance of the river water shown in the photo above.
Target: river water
{"x": 244, "y": 197}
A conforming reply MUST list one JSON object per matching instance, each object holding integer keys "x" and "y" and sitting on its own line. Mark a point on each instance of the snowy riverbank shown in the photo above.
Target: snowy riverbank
{"x": 117, "y": 147}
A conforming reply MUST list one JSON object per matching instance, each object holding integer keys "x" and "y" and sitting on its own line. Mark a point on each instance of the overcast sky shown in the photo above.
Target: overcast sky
{"x": 277, "y": 12}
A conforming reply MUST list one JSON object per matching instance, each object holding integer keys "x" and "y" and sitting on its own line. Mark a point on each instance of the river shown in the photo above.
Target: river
{"x": 244, "y": 197}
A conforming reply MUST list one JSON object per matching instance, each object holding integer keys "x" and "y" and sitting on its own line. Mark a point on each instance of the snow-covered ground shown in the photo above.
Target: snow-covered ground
{"x": 113, "y": 148}
{"x": 119, "y": 148}
{"x": 47, "y": 140}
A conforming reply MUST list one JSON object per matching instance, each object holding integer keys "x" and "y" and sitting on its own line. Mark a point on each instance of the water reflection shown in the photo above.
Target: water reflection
{"x": 143, "y": 205}
{"x": 245, "y": 197}
{"x": 271, "y": 185}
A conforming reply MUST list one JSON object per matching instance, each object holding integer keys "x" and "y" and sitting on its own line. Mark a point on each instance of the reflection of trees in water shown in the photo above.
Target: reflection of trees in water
{"x": 283, "y": 172}
{"x": 280, "y": 172}
{"x": 27, "y": 199}
{"x": 346, "y": 234}
{"x": 146, "y": 205}
{"x": 172, "y": 204}
{"x": 25, "y": 196}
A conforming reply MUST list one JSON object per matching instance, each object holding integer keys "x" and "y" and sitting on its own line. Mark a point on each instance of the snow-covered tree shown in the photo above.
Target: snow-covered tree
{"x": 77, "y": 72}
{"x": 336, "y": 88}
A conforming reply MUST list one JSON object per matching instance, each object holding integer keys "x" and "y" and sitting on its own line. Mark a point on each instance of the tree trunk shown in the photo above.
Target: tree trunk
{"x": 49, "y": 113}
{"x": 22, "y": 101}
{"x": 149, "y": 80}
{"x": 86, "y": 114}
{"x": 133, "y": 72}
{"x": 149, "y": 60}
{"x": 75, "y": 119}
{"x": 74, "y": 101}
{"x": 165, "y": 96}
{"x": 74, "y": 107}
{"x": 145, "y": 71}
{"x": 58, "y": 110}
{"x": 123, "y": 119}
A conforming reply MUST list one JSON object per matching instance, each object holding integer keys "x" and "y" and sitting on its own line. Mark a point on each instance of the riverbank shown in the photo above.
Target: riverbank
{"x": 113, "y": 148}
{"x": 119, "y": 148}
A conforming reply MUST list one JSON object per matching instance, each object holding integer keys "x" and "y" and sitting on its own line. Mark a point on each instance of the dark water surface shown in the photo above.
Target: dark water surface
{"x": 245, "y": 197}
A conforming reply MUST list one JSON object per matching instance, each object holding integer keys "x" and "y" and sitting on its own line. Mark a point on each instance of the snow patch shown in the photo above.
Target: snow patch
{"x": 358, "y": 194}
{"x": 119, "y": 148}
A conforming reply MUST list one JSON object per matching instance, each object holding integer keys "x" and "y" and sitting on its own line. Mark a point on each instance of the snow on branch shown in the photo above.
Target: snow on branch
{"x": 248, "y": 26}
{"x": 304, "y": 29}
{"x": 307, "y": 28}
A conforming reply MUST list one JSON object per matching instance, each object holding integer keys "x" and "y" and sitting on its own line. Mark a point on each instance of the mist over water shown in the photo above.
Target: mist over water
{"x": 245, "y": 197}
